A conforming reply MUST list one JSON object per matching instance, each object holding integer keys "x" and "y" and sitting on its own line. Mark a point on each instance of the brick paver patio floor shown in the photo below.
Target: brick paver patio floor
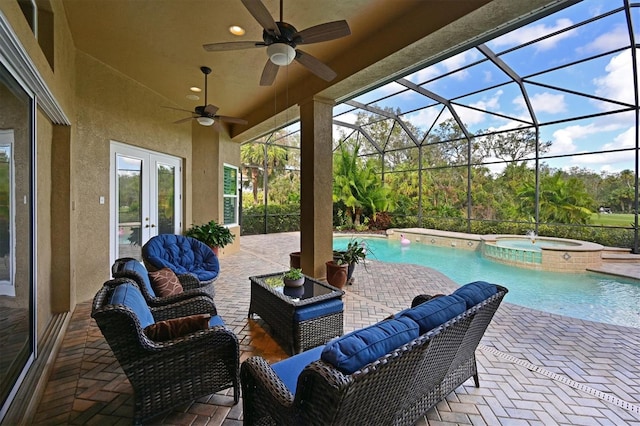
{"x": 535, "y": 368}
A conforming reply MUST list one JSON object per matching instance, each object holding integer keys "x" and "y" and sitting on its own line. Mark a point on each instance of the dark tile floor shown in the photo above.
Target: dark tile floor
{"x": 535, "y": 368}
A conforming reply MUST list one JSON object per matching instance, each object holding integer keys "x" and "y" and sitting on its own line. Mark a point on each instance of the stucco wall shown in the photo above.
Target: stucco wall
{"x": 111, "y": 106}
{"x": 43, "y": 212}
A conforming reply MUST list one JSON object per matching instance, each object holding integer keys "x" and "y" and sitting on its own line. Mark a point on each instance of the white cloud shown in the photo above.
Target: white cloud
{"x": 425, "y": 118}
{"x": 471, "y": 116}
{"x": 614, "y": 39}
{"x": 626, "y": 139}
{"x": 563, "y": 140}
{"x": 535, "y": 31}
{"x": 543, "y": 102}
{"x": 617, "y": 83}
{"x": 563, "y": 143}
{"x": 349, "y": 117}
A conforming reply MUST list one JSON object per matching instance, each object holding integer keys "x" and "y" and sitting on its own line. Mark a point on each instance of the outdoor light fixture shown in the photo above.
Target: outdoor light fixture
{"x": 205, "y": 121}
{"x": 281, "y": 54}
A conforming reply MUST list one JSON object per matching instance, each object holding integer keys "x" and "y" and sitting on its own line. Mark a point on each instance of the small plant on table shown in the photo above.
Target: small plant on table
{"x": 293, "y": 277}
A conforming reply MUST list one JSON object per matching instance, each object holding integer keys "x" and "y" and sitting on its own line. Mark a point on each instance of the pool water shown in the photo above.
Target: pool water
{"x": 527, "y": 245}
{"x": 588, "y": 296}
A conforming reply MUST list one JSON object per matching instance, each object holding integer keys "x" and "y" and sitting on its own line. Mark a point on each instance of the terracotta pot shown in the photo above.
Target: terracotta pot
{"x": 294, "y": 260}
{"x": 336, "y": 274}
{"x": 215, "y": 249}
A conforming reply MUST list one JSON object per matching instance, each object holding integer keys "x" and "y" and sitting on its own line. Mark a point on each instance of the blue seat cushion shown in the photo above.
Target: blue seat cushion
{"x": 289, "y": 369}
{"x": 215, "y": 320}
{"x": 475, "y": 292}
{"x": 318, "y": 310}
{"x": 129, "y": 295}
{"x": 134, "y": 269}
{"x": 353, "y": 351}
{"x": 183, "y": 255}
{"x": 434, "y": 312}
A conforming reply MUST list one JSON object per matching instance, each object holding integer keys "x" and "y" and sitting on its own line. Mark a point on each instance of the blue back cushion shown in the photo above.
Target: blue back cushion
{"x": 138, "y": 270}
{"x": 182, "y": 255}
{"x": 476, "y": 292}
{"x": 129, "y": 295}
{"x": 289, "y": 369}
{"x": 353, "y": 351}
{"x": 430, "y": 314}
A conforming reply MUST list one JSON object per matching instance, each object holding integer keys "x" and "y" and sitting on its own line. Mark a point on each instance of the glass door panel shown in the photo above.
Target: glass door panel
{"x": 166, "y": 200}
{"x": 129, "y": 203}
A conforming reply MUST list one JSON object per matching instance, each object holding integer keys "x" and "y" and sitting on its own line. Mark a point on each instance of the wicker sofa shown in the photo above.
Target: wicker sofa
{"x": 176, "y": 369}
{"x": 386, "y": 374}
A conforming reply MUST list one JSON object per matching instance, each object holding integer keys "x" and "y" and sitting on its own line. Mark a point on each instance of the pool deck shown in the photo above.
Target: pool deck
{"x": 535, "y": 368}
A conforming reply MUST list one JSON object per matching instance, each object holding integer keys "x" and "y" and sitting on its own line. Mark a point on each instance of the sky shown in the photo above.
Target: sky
{"x": 583, "y": 68}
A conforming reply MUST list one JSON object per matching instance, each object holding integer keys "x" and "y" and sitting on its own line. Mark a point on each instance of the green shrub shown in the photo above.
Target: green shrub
{"x": 280, "y": 218}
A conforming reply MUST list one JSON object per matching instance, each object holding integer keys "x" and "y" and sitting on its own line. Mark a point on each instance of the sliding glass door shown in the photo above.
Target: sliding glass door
{"x": 17, "y": 303}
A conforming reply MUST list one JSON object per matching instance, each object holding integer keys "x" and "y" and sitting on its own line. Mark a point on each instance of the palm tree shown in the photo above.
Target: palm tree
{"x": 357, "y": 185}
{"x": 257, "y": 156}
{"x": 562, "y": 200}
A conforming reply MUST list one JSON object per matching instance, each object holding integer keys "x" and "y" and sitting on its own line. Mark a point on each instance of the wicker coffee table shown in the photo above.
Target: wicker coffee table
{"x": 302, "y": 318}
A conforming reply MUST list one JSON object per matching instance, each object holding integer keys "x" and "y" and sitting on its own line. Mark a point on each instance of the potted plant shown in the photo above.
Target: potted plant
{"x": 212, "y": 234}
{"x": 337, "y": 272}
{"x": 355, "y": 253}
{"x": 293, "y": 277}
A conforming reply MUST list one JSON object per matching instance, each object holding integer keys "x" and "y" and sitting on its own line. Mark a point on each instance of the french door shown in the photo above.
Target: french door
{"x": 145, "y": 198}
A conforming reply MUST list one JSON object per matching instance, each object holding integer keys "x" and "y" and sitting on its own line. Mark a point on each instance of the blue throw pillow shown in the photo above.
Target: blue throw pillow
{"x": 435, "y": 312}
{"x": 129, "y": 295}
{"x": 476, "y": 292}
{"x": 353, "y": 351}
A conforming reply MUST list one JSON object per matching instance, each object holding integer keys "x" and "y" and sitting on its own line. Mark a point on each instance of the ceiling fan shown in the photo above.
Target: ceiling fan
{"x": 206, "y": 114}
{"x": 281, "y": 39}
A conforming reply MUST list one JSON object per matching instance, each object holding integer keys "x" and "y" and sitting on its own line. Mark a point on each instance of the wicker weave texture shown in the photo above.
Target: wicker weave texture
{"x": 278, "y": 311}
{"x": 396, "y": 389}
{"x": 166, "y": 374}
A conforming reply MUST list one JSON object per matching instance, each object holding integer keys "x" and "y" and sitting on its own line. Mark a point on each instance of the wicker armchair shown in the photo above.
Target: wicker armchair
{"x": 128, "y": 267}
{"x": 168, "y": 373}
{"x": 183, "y": 255}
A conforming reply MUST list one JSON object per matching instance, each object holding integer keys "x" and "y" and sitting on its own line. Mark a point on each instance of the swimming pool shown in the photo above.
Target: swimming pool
{"x": 588, "y": 296}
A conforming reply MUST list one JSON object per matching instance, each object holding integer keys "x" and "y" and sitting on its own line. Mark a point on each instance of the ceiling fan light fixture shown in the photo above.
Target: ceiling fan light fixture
{"x": 205, "y": 121}
{"x": 281, "y": 54}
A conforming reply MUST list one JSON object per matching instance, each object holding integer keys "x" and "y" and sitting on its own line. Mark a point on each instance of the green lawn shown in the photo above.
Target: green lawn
{"x": 614, "y": 219}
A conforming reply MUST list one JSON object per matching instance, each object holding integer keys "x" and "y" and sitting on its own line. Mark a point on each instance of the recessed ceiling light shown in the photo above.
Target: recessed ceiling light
{"x": 193, "y": 97}
{"x": 236, "y": 30}
{"x": 195, "y": 89}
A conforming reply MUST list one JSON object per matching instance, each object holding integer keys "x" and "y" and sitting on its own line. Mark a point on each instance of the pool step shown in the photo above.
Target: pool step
{"x": 619, "y": 255}
{"x": 620, "y": 258}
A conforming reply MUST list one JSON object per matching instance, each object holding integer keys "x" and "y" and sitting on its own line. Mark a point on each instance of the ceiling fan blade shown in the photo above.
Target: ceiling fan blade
{"x": 314, "y": 65}
{"x": 324, "y": 32}
{"x": 262, "y": 15}
{"x": 177, "y": 109}
{"x": 228, "y": 119}
{"x": 269, "y": 73}
{"x": 210, "y": 110}
{"x": 232, "y": 45}
{"x": 183, "y": 120}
